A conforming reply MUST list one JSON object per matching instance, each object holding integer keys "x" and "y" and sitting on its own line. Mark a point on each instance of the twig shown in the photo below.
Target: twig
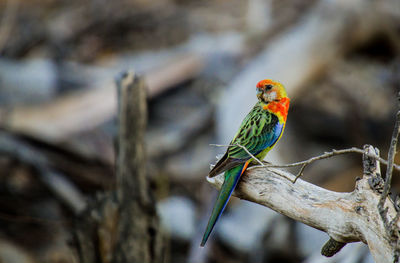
{"x": 326, "y": 155}
{"x": 391, "y": 227}
{"x": 244, "y": 148}
{"x": 389, "y": 170}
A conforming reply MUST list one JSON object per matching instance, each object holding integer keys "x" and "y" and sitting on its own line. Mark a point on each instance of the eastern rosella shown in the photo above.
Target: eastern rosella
{"x": 258, "y": 133}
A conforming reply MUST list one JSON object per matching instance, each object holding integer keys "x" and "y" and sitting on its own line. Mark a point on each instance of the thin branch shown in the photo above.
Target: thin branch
{"x": 244, "y": 148}
{"x": 326, "y": 155}
{"x": 391, "y": 227}
{"x": 389, "y": 170}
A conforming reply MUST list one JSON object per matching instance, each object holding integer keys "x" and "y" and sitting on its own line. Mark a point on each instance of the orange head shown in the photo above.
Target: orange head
{"x": 269, "y": 90}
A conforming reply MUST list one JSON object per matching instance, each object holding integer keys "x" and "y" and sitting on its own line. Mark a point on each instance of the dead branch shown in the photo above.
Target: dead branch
{"x": 345, "y": 217}
{"x": 326, "y": 155}
{"x": 392, "y": 229}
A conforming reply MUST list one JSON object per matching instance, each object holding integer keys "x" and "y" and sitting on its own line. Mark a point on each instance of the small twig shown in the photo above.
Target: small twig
{"x": 391, "y": 227}
{"x": 331, "y": 154}
{"x": 326, "y": 155}
{"x": 300, "y": 173}
{"x": 244, "y": 148}
{"x": 389, "y": 170}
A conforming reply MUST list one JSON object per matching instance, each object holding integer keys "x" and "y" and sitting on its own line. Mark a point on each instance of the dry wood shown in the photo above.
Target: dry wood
{"x": 85, "y": 110}
{"x": 345, "y": 217}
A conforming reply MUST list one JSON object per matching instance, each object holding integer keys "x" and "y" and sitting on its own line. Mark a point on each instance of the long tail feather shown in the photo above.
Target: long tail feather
{"x": 231, "y": 179}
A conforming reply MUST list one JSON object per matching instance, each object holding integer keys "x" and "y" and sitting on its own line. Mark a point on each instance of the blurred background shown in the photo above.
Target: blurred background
{"x": 338, "y": 59}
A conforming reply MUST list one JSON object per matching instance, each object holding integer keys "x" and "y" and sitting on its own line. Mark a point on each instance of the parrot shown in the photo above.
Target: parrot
{"x": 259, "y": 132}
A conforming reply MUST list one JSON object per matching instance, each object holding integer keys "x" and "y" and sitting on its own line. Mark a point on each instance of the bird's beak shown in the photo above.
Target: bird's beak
{"x": 259, "y": 93}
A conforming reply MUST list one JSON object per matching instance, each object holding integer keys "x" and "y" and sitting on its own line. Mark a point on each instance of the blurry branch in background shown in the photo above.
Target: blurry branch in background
{"x": 367, "y": 214}
{"x": 55, "y": 181}
{"x": 123, "y": 226}
{"x": 85, "y": 110}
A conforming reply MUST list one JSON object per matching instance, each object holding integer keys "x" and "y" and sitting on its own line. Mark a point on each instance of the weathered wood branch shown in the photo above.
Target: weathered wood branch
{"x": 345, "y": 217}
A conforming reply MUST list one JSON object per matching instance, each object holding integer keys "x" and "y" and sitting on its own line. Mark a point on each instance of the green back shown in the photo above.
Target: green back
{"x": 257, "y": 132}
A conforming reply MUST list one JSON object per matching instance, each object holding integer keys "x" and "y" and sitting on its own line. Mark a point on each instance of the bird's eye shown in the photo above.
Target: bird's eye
{"x": 268, "y": 86}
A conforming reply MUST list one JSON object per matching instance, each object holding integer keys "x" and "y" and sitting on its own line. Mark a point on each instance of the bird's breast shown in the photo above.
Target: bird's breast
{"x": 280, "y": 108}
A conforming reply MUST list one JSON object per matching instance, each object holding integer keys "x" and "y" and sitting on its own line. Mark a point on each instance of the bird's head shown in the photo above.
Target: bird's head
{"x": 269, "y": 90}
